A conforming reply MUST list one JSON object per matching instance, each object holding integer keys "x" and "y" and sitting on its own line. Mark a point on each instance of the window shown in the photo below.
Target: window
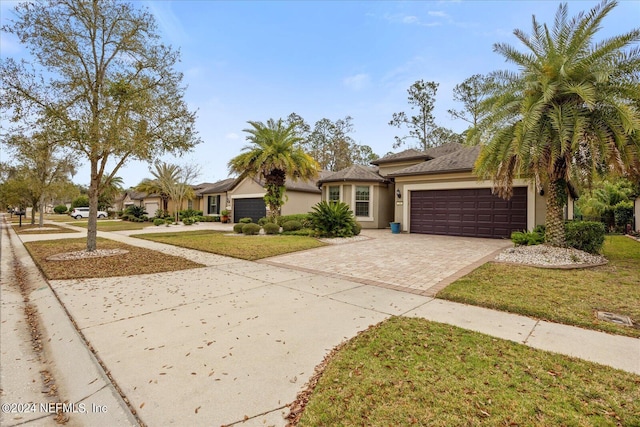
{"x": 334, "y": 193}
{"x": 214, "y": 205}
{"x": 362, "y": 200}
{"x": 190, "y": 204}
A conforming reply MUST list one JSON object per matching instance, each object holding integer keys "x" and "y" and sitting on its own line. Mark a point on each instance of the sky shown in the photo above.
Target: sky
{"x": 256, "y": 60}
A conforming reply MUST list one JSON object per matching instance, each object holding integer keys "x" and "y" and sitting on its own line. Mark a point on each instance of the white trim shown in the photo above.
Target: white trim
{"x": 353, "y": 198}
{"x": 459, "y": 185}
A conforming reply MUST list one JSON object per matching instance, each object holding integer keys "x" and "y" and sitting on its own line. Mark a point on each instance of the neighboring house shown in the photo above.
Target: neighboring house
{"x": 435, "y": 192}
{"x": 636, "y": 213}
{"x": 129, "y": 198}
{"x": 244, "y": 197}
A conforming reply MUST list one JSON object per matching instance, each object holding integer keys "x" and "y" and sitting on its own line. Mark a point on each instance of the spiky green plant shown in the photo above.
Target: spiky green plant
{"x": 570, "y": 112}
{"x": 332, "y": 219}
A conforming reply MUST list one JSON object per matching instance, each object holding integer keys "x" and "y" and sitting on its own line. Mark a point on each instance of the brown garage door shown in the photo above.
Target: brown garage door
{"x": 468, "y": 212}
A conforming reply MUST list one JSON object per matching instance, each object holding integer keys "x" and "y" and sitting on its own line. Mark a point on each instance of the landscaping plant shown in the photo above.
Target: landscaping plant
{"x": 333, "y": 219}
{"x": 271, "y": 228}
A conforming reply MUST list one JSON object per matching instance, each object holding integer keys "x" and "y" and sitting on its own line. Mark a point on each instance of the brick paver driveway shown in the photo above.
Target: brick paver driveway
{"x": 416, "y": 263}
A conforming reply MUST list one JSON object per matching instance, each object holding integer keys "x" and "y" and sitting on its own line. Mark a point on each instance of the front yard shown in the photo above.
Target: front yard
{"x": 112, "y": 225}
{"x": 565, "y": 296}
{"x": 136, "y": 261}
{"x": 409, "y": 371}
{"x": 235, "y": 245}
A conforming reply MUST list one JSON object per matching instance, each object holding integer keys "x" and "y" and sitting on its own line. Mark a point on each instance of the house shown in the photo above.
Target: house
{"x": 434, "y": 192}
{"x": 244, "y": 197}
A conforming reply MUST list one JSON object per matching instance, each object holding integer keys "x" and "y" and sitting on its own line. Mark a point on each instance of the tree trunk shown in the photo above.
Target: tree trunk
{"x": 41, "y": 211}
{"x": 556, "y": 199}
{"x": 92, "y": 226}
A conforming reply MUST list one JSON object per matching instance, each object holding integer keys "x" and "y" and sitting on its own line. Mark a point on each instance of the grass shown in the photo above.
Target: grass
{"x": 409, "y": 371}
{"x": 136, "y": 261}
{"x": 35, "y": 229}
{"x": 237, "y": 246}
{"x": 564, "y": 296}
{"x": 110, "y": 225}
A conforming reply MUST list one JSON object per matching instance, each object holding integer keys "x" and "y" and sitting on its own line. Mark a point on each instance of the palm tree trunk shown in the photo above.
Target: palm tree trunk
{"x": 556, "y": 198}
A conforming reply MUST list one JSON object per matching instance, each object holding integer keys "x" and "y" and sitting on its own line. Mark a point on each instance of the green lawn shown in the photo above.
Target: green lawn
{"x": 237, "y": 246}
{"x": 409, "y": 371}
{"x": 111, "y": 225}
{"x": 565, "y": 296}
{"x": 136, "y": 261}
{"x": 35, "y": 229}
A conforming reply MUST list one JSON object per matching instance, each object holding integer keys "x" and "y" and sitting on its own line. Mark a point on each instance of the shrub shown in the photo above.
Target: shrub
{"x": 264, "y": 220}
{"x": 158, "y": 221}
{"x": 237, "y": 228}
{"x": 60, "y": 209}
{"x": 168, "y": 221}
{"x": 292, "y": 225}
{"x": 526, "y": 238}
{"x": 134, "y": 211}
{"x": 623, "y": 215}
{"x": 357, "y": 228}
{"x": 540, "y": 229}
{"x": 587, "y": 236}
{"x": 80, "y": 202}
{"x": 188, "y": 220}
{"x": 303, "y": 219}
{"x": 333, "y": 219}
{"x": 245, "y": 221}
{"x": 189, "y": 213}
{"x": 251, "y": 229}
{"x": 303, "y": 232}
{"x": 271, "y": 228}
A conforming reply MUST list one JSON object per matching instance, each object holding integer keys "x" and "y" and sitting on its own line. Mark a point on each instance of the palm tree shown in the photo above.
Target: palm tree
{"x": 173, "y": 181}
{"x": 273, "y": 156}
{"x": 569, "y": 114}
{"x": 152, "y": 186}
{"x": 110, "y": 187}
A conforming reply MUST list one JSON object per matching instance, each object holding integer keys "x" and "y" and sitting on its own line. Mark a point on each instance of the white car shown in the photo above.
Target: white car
{"x": 78, "y": 213}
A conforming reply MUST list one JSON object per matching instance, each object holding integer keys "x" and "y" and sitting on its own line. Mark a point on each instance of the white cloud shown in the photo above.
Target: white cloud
{"x": 232, "y": 135}
{"x": 437, "y": 13}
{"x": 357, "y": 81}
{"x": 410, "y": 20}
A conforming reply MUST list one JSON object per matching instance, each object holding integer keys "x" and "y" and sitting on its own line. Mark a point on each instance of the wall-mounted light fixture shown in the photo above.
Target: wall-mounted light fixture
{"x": 542, "y": 192}
{"x": 398, "y": 194}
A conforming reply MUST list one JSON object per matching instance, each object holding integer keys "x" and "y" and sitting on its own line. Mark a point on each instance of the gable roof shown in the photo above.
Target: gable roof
{"x": 406, "y": 155}
{"x": 443, "y": 149}
{"x": 355, "y": 173}
{"x": 462, "y": 159}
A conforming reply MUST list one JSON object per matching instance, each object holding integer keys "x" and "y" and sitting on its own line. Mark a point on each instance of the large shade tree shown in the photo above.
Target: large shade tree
{"x": 569, "y": 113}
{"x": 273, "y": 156}
{"x": 99, "y": 71}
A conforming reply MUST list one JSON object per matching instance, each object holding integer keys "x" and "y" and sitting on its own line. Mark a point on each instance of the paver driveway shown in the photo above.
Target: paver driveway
{"x": 416, "y": 263}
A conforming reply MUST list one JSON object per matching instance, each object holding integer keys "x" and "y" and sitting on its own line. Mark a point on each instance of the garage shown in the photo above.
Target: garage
{"x": 253, "y": 208}
{"x": 473, "y": 212}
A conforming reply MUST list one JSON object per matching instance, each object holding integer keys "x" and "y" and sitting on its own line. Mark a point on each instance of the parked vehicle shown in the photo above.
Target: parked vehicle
{"x": 78, "y": 213}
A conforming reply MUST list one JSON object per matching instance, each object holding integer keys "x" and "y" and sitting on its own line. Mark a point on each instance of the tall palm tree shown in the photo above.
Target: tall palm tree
{"x": 273, "y": 156}
{"x": 110, "y": 187}
{"x": 152, "y": 186}
{"x": 570, "y": 113}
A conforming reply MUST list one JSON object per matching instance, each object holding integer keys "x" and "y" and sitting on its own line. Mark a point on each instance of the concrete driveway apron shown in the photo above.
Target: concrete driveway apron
{"x": 415, "y": 263}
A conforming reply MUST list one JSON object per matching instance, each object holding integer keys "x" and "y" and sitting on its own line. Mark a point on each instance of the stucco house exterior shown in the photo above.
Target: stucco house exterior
{"x": 435, "y": 192}
{"x": 244, "y": 197}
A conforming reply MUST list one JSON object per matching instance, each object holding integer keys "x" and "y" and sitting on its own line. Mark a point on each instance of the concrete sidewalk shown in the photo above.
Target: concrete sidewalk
{"x": 236, "y": 340}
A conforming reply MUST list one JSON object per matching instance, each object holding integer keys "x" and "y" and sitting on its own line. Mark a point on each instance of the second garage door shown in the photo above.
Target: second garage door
{"x": 253, "y": 208}
{"x": 468, "y": 212}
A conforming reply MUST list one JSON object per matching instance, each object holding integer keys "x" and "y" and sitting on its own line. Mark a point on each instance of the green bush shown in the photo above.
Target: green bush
{"x": 251, "y": 229}
{"x": 134, "y": 211}
{"x": 168, "y": 221}
{"x": 303, "y": 219}
{"x": 540, "y": 229}
{"x": 587, "y": 236}
{"x": 188, "y": 220}
{"x": 80, "y": 202}
{"x": 245, "y": 221}
{"x": 303, "y": 232}
{"x": 357, "y": 228}
{"x": 264, "y": 220}
{"x": 237, "y": 228}
{"x": 333, "y": 219}
{"x": 526, "y": 238}
{"x": 292, "y": 225}
{"x": 158, "y": 221}
{"x": 623, "y": 214}
{"x": 271, "y": 228}
{"x": 189, "y": 213}
{"x": 60, "y": 209}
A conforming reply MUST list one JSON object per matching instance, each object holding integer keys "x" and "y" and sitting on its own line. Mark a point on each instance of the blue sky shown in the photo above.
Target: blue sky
{"x": 255, "y": 60}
